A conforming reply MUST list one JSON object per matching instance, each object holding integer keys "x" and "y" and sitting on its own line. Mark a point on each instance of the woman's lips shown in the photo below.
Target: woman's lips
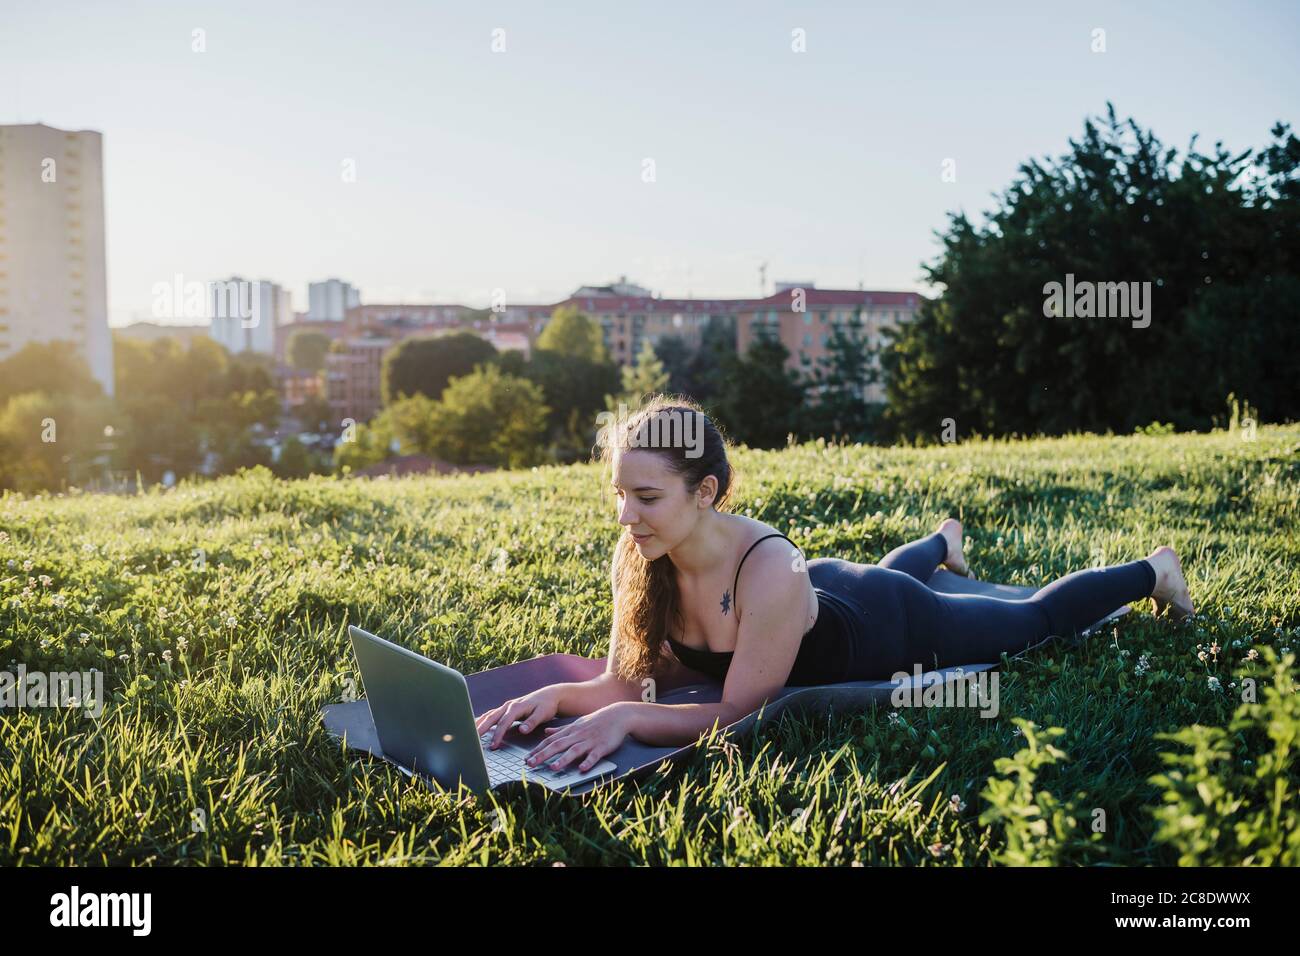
{"x": 642, "y": 537}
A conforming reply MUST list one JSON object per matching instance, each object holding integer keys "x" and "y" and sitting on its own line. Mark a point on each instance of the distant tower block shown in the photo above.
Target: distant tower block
{"x": 52, "y": 272}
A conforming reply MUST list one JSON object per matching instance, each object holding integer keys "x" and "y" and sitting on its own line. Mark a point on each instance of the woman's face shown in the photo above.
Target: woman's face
{"x": 653, "y": 503}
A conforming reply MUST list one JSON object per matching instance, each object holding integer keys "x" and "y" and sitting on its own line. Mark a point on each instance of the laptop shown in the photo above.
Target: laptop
{"x": 424, "y": 720}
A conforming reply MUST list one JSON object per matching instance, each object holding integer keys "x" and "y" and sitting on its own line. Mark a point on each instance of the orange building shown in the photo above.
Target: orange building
{"x": 803, "y": 319}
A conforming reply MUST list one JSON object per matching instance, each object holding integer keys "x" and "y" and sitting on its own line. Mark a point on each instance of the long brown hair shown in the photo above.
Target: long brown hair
{"x": 646, "y": 598}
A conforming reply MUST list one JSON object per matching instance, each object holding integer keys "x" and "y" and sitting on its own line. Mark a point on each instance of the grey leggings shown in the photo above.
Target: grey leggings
{"x": 906, "y": 623}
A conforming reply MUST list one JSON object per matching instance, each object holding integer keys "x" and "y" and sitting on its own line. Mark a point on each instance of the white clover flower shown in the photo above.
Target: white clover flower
{"x": 1213, "y": 683}
{"x": 167, "y": 656}
{"x": 58, "y": 600}
{"x": 84, "y": 638}
{"x": 958, "y": 804}
{"x": 181, "y": 644}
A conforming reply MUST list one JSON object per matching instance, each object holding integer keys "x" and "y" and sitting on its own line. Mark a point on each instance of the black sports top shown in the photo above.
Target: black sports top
{"x": 825, "y": 650}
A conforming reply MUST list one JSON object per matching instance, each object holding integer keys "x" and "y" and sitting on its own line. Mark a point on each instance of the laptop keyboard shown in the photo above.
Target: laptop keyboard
{"x": 506, "y": 763}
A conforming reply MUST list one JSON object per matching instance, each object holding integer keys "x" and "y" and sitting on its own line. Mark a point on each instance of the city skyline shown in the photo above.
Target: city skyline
{"x": 524, "y": 169}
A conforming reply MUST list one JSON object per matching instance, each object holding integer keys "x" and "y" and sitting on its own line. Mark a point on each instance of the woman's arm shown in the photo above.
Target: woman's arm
{"x": 583, "y": 697}
{"x": 674, "y": 725}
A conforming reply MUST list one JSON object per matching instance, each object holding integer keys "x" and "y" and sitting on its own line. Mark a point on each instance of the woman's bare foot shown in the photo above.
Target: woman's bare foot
{"x": 1171, "y": 587}
{"x": 954, "y": 560}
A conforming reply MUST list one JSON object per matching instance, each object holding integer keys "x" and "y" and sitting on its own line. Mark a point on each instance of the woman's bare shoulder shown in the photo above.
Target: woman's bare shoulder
{"x": 752, "y": 529}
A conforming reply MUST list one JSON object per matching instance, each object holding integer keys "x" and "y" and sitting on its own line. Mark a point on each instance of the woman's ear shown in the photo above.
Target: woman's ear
{"x": 707, "y": 491}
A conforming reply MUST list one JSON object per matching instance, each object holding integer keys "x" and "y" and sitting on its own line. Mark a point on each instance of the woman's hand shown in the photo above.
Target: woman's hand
{"x": 533, "y": 709}
{"x": 590, "y": 737}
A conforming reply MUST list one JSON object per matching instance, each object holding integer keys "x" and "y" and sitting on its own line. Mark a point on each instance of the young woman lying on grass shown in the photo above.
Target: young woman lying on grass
{"x": 681, "y": 608}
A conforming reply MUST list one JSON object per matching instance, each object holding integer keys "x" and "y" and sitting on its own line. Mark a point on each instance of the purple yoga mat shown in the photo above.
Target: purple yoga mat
{"x": 634, "y": 760}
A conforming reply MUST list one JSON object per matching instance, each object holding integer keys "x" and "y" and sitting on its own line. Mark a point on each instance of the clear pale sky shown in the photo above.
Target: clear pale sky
{"x": 523, "y": 170}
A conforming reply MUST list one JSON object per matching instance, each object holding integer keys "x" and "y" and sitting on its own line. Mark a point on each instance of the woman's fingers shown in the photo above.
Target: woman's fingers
{"x": 487, "y": 719}
{"x": 552, "y": 745}
{"x": 594, "y": 753}
{"x": 568, "y": 749}
{"x": 580, "y": 747}
{"x": 513, "y": 712}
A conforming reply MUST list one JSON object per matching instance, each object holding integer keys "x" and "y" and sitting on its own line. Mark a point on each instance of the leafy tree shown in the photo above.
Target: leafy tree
{"x": 409, "y": 424}
{"x": 249, "y": 372}
{"x": 423, "y": 364}
{"x": 296, "y": 460}
{"x": 840, "y": 383}
{"x": 675, "y": 354}
{"x": 372, "y": 443}
{"x": 644, "y": 379}
{"x": 178, "y": 402}
{"x": 314, "y": 413}
{"x": 48, "y": 441}
{"x": 704, "y": 374}
{"x": 1216, "y": 236}
{"x": 160, "y": 387}
{"x": 153, "y": 437}
{"x": 307, "y": 349}
{"x": 489, "y": 418}
{"x": 761, "y": 402}
{"x": 574, "y": 389}
{"x": 570, "y": 332}
{"x": 512, "y": 362}
{"x": 55, "y": 368}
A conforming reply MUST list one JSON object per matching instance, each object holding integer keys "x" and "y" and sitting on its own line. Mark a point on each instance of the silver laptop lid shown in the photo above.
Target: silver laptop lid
{"x": 422, "y": 712}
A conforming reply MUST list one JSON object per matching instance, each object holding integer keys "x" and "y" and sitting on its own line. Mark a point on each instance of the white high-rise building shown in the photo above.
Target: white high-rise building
{"x": 246, "y": 312}
{"x": 330, "y": 300}
{"x": 53, "y": 282}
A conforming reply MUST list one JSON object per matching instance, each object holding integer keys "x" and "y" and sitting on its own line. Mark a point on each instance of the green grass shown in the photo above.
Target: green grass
{"x": 486, "y": 570}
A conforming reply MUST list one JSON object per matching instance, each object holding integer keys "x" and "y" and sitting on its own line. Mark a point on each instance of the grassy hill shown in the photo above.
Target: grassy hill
{"x": 218, "y": 615}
